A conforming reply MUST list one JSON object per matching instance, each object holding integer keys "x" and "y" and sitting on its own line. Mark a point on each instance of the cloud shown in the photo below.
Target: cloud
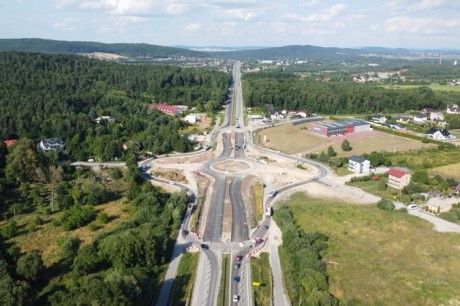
{"x": 310, "y": 3}
{"x": 68, "y": 24}
{"x": 193, "y": 27}
{"x": 328, "y": 14}
{"x": 425, "y": 5}
{"x": 403, "y": 24}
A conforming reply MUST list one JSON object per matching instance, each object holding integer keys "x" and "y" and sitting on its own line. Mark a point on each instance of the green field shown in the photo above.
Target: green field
{"x": 433, "y": 87}
{"x": 261, "y": 273}
{"x": 185, "y": 278}
{"x": 377, "y": 257}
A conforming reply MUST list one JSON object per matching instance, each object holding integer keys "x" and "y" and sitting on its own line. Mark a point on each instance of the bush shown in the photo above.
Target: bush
{"x": 30, "y": 266}
{"x": 69, "y": 248}
{"x": 386, "y": 205}
{"x": 102, "y": 218}
{"x": 10, "y": 230}
{"x": 77, "y": 216}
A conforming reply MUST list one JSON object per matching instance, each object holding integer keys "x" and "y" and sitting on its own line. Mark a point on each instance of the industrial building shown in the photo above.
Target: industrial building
{"x": 343, "y": 127}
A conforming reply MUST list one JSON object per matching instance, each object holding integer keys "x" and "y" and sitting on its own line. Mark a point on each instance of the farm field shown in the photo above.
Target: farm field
{"x": 296, "y": 139}
{"x": 433, "y": 87}
{"x": 377, "y": 257}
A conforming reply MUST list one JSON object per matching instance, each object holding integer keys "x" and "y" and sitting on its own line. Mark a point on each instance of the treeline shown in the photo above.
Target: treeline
{"x": 286, "y": 91}
{"x": 304, "y": 271}
{"x": 45, "y": 96}
{"x": 434, "y": 72}
{"x": 121, "y": 266}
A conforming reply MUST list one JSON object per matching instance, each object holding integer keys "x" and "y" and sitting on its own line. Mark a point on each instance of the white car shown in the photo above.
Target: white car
{"x": 236, "y": 298}
{"x": 412, "y": 206}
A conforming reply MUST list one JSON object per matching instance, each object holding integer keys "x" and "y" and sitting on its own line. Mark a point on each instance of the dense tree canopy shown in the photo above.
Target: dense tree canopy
{"x": 44, "y": 96}
{"x": 288, "y": 91}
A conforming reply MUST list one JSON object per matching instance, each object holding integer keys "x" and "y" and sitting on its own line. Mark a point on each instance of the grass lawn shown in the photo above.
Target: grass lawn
{"x": 185, "y": 278}
{"x": 377, "y": 257}
{"x": 449, "y": 171}
{"x": 426, "y": 159}
{"x": 261, "y": 273}
{"x": 380, "y": 142}
{"x": 295, "y": 138}
{"x": 291, "y": 138}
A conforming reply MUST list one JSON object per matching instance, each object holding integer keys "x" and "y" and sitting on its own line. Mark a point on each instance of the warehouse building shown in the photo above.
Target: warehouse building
{"x": 343, "y": 127}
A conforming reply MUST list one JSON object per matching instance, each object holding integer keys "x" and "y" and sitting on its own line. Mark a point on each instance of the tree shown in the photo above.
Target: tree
{"x": 69, "y": 248}
{"x": 421, "y": 176}
{"x": 22, "y": 161}
{"x": 346, "y": 146}
{"x": 331, "y": 152}
{"x": 116, "y": 174}
{"x": 386, "y": 205}
{"x": 12, "y": 293}
{"x": 30, "y": 266}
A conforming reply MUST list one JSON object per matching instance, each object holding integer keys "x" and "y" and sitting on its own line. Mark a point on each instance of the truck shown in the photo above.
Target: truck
{"x": 247, "y": 244}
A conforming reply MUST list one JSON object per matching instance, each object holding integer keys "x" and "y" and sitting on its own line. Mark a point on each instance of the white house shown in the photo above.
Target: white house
{"x": 453, "y": 109}
{"x": 379, "y": 118}
{"x": 436, "y": 116}
{"x": 358, "y": 164}
{"x": 420, "y": 118}
{"x": 106, "y": 118}
{"x": 440, "y": 134}
{"x": 191, "y": 118}
{"x": 52, "y": 144}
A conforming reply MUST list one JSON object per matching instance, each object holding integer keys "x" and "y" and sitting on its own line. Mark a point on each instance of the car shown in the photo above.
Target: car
{"x": 172, "y": 183}
{"x": 413, "y": 206}
{"x": 272, "y": 193}
{"x": 185, "y": 232}
{"x": 239, "y": 257}
{"x": 238, "y": 126}
{"x": 236, "y": 279}
{"x": 266, "y": 227}
{"x": 204, "y": 246}
{"x": 236, "y": 298}
{"x": 237, "y": 266}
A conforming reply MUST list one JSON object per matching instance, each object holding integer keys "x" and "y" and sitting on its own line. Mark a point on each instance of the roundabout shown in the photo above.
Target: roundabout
{"x": 231, "y": 166}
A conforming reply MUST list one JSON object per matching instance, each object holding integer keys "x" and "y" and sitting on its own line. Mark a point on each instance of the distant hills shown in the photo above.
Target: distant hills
{"x": 73, "y": 47}
{"x": 139, "y": 51}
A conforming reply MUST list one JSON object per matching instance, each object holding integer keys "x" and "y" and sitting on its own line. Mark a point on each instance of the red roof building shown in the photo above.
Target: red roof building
{"x": 9, "y": 142}
{"x": 398, "y": 178}
{"x": 166, "y": 109}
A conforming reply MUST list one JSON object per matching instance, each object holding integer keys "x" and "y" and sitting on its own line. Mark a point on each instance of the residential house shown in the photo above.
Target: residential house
{"x": 440, "y": 204}
{"x": 440, "y": 134}
{"x": 166, "y": 109}
{"x": 401, "y": 119}
{"x": 275, "y": 115}
{"x": 104, "y": 118}
{"x": 453, "y": 109}
{"x": 9, "y": 142}
{"x": 52, "y": 144}
{"x": 427, "y": 110}
{"x": 436, "y": 116}
{"x": 379, "y": 118}
{"x": 398, "y": 178}
{"x": 420, "y": 118}
{"x": 358, "y": 164}
{"x": 294, "y": 113}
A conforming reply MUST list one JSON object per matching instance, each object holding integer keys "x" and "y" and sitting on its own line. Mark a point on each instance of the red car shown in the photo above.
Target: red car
{"x": 239, "y": 257}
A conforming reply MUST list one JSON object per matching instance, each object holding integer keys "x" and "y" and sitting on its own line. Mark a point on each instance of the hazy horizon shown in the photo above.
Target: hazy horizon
{"x": 410, "y": 24}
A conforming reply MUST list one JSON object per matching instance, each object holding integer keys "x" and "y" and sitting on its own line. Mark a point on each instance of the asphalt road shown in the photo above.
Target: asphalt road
{"x": 240, "y": 230}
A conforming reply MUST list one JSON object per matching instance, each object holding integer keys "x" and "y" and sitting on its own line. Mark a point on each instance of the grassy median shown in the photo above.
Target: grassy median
{"x": 257, "y": 201}
{"x": 222, "y": 297}
{"x": 261, "y": 273}
{"x": 183, "y": 283}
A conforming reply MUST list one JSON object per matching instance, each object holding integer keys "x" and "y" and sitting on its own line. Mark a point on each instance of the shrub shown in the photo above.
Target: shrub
{"x": 386, "y": 205}
{"x": 10, "y": 230}
{"x": 30, "y": 266}
{"x": 69, "y": 248}
{"x": 77, "y": 216}
{"x": 346, "y": 146}
{"x": 102, "y": 218}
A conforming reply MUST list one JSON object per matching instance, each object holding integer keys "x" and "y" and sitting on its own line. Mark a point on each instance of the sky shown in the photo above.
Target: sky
{"x": 428, "y": 24}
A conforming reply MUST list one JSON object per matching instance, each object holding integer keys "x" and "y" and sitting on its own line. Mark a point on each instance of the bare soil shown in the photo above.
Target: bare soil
{"x": 231, "y": 166}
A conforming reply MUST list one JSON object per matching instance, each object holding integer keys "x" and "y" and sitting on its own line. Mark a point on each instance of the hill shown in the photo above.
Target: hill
{"x": 71, "y": 47}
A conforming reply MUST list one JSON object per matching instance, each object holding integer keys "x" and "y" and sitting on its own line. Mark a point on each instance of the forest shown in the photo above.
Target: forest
{"x": 289, "y": 91}
{"x": 46, "y": 96}
{"x": 120, "y": 265}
